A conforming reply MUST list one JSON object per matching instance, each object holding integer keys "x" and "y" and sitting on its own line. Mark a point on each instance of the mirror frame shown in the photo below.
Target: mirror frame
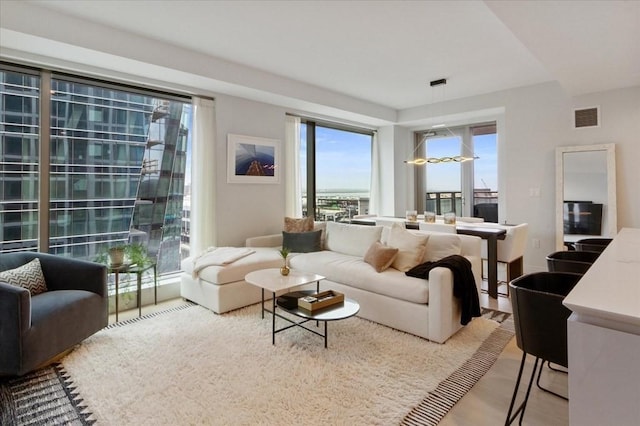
{"x": 612, "y": 210}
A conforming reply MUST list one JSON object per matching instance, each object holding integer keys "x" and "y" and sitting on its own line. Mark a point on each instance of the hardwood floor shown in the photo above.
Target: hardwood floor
{"x": 488, "y": 401}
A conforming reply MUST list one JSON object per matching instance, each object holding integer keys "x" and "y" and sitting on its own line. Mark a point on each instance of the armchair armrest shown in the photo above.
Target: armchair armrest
{"x": 15, "y": 319}
{"x": 62, "y": 273}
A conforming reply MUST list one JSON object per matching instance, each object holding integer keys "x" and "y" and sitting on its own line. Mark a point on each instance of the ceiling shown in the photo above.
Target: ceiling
{"x": 386, "y": 52}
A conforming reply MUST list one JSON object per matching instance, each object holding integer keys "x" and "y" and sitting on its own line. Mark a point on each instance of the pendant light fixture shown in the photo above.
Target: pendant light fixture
{"x": 435, "y": 160}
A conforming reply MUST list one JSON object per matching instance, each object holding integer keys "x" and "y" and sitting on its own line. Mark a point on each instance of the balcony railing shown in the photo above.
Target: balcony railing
{"x": 451, "y": 201}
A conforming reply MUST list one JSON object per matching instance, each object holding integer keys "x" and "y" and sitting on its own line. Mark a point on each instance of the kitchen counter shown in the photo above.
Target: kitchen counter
{"x": 603, "y": 337}
{"x": 610, "y": 290}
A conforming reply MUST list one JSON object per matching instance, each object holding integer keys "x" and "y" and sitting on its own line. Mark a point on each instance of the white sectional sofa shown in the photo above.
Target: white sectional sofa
{"x": 425, "y": 308}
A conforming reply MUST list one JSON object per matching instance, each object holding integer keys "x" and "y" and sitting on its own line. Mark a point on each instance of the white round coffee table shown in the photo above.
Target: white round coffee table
{"x": 273, "y": 281}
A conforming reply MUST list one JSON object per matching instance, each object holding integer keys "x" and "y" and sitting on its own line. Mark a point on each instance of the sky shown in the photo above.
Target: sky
{"x": 446, "y": 176}
{"x": 343, "y": 160}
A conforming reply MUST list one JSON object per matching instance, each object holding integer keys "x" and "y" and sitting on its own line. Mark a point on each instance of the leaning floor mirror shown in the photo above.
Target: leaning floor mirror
{"x": 585, "y": 193}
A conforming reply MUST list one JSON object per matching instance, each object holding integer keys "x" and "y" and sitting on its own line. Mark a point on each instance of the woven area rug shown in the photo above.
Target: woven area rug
{"x": 190, "y": 366}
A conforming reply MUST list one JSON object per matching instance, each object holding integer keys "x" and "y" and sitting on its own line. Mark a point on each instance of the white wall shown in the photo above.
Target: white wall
{"x": 397, "y": 183}
{"x": 620, "y": 114}
{"x": 247, "y": 210}
{"x": 386, "y": 137}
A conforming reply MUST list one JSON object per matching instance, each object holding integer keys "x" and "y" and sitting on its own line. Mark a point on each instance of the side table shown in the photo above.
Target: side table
{"x": 138, "y": 270}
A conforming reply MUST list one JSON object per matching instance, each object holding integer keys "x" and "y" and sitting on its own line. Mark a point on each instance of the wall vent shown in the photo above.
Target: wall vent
{"x": 586, "y": 117}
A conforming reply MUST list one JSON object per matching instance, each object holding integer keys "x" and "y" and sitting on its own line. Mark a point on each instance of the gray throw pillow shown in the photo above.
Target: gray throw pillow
{"x": 302, "y": 242}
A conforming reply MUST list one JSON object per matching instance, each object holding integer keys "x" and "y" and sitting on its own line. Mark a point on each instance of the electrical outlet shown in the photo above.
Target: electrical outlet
{"x": 534, "y": 192}
{"x": 535, "y": 242}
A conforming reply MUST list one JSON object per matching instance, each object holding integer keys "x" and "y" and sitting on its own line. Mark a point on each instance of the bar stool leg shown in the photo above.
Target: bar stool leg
{"x": 511, "y": 415}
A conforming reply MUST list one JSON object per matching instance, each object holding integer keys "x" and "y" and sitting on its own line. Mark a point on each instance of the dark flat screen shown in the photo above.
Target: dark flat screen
{"x": 583, "y": 218}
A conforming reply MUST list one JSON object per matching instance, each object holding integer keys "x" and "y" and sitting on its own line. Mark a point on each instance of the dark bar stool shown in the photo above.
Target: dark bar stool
{"x": 540, "y": 321}
{"x": 571, "y": 261}
{"x": 593, "y": 244}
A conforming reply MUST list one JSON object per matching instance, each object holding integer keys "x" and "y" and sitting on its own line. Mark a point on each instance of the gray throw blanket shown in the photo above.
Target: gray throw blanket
{"x": 464, "y": 284}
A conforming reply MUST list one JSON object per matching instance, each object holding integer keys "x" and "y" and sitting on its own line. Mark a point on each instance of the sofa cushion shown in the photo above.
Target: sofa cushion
{"x": 27, "y": 276}
{"x": 410, "y": 247}
{"x": 302, "y": 242}
{"x": 263, "y": 258}
{"x": 355, "y": 272}
{"x": 441, "y": 245}
{"x": 292, "y": 224}
{"x": 380, "y": 256}
{"x": 353, "y": 240}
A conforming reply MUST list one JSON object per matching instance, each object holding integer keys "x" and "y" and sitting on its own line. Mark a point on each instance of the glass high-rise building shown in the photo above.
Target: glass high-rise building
{"x": 116, "y": 166}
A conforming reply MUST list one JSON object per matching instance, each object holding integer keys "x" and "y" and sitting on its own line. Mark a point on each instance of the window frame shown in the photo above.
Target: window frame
{"x": 465, "y": 133}
{"x": 311, "y": 181}
{"x": 47, "y": 139}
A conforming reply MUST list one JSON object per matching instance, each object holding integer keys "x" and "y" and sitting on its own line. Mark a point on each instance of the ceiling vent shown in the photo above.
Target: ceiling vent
{"x": 586, "y": 117}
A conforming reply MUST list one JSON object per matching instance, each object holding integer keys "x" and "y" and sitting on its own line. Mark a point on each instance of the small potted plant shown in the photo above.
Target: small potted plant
{"x": 124, "y": 254}
{"x": 116, "y": 255}
{"x": 284, "y": 252}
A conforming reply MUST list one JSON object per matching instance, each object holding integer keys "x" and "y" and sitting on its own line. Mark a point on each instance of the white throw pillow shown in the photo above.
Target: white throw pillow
{"x": 441, "y": 245}
{"x": 27, "y": 276}
{"x": 410, "y": 247}
{"x": 354, "y": 240}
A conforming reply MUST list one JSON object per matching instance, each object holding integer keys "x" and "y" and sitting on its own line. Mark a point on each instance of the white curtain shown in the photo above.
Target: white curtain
{"x": 374, "y": 190}
{"x": 203, "y": 176}
{"x": 293, "y": 188}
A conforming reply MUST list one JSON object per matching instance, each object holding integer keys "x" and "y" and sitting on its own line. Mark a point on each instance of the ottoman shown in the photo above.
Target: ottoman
{"x": 223, "y": 288}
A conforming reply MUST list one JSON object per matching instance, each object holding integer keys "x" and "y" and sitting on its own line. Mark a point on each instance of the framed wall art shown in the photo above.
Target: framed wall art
{"x": 252, "y": 160}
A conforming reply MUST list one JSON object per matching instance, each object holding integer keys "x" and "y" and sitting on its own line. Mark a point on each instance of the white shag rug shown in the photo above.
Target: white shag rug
{"x": 191, "y": 366}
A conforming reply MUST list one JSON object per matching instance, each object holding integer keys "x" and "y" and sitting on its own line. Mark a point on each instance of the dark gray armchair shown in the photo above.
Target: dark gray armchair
{"x": 35, "y": 330}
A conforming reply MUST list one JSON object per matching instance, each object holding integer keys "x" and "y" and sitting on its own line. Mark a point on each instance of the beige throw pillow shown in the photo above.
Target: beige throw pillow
{"x": 292, "y": 224}
{"x": 380, "y": 256}
{"x": 411, "y": 247}
{"x": 27, "y": 276}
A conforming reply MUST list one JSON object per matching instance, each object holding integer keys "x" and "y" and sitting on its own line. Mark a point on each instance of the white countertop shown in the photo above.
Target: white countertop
{"x": 610, "y": 290}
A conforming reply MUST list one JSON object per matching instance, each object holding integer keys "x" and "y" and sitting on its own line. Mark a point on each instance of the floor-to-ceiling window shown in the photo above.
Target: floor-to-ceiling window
{"x": 335, "y": 170}
{"x": 19, "y": 145}
{"x": 484, "y": 140}
{"x": 116, "y": 166}
{"x": 468, "y": 188}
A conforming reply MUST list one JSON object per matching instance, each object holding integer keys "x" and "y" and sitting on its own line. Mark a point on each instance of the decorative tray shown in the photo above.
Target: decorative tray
{"x": 317, "y": 301}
